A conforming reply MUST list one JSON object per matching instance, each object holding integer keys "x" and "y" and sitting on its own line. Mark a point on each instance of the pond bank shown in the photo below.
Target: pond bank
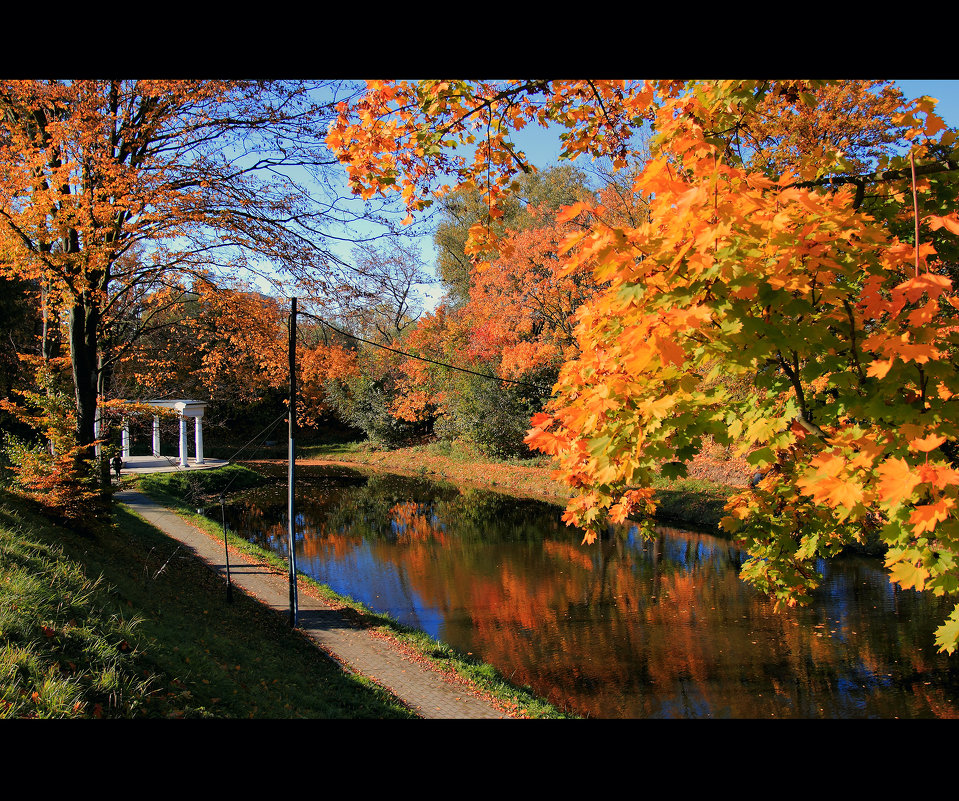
{"x": 695, "y": 502}
{"x": 427, "y": 691}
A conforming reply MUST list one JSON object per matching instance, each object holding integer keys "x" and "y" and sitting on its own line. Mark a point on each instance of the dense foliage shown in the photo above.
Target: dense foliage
{"x": 776, "y": 248}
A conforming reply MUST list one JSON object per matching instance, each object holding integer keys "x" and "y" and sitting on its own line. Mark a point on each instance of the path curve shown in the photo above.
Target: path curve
{"x": 423, "y": 689}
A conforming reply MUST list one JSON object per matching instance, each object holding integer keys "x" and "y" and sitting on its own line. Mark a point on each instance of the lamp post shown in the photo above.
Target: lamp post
{"x": 291, "y": 505}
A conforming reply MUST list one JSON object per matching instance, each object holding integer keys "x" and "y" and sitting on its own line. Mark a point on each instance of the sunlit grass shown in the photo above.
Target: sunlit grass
{"x": 65, "y": 643}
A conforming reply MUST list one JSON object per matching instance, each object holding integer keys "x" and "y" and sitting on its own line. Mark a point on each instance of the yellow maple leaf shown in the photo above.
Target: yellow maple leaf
{"x": 909, "y": 575}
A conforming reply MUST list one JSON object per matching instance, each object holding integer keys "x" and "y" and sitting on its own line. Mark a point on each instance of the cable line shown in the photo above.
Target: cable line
{"x": 265, "y": 431}
{"x": 423, "y": 358}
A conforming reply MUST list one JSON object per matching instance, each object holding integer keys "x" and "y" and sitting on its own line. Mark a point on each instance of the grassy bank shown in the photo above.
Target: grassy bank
{"x": 692, "y": 502}
{"x": 183, "y": 493}
{"x": 123, "y": 624}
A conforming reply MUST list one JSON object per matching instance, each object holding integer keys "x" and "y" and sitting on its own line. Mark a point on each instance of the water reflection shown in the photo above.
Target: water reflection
{"x": 623, "y": 628}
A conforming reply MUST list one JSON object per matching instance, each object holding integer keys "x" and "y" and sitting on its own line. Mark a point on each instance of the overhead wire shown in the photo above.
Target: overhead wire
{"x": 541, "y": 387}
{"x": 264, "y": 432}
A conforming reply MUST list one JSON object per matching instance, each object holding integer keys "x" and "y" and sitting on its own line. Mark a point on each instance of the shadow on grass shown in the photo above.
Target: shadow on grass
{"x": 213, "y": 657}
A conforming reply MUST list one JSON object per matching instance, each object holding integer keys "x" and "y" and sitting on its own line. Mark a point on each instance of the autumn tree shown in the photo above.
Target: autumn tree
{"x": 202, "y": 177}
{"x": 844, "y": 322}
{"x": 19, "y": 322}
{"x": 511, "y": 320}
{"x": 542, "y": 191}
{"x": 379, "y": 293}
{"x": 854, "y": 127}
{"x": 505, "y": 344}
{"x": 479, "y": 370}
{"x": 222, "y": 340}
{"x": 522, "y": 306}
{"x": 362, "y": 385}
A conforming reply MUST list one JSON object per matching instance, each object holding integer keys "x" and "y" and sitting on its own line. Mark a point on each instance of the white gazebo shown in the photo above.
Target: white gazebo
{"x": 185, "y": 409}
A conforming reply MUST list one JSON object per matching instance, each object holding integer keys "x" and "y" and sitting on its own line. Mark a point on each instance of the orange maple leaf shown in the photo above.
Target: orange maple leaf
{"x": 842, "y": 493}
{"x": 926, "y": 444}
{"x": 897, "y": 481}
{"x": 950, "y": 222}
{"x": 938, "y": 475}
{"x": 880, "y": 367}
{"x": 568, "y": 213}
{"x": 913, "y": 288}
{"x": 925, "y": 517}
{"x": 669, "y": 351}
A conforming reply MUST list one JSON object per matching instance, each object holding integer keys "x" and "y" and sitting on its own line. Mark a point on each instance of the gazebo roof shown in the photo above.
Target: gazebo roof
{"x": 187, "y": 408}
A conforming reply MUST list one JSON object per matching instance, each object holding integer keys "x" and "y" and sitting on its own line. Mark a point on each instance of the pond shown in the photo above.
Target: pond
{"x": 623, "y": 628}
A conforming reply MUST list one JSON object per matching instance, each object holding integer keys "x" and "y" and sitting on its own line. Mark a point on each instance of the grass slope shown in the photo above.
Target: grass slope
{"x": 124, "y": 624}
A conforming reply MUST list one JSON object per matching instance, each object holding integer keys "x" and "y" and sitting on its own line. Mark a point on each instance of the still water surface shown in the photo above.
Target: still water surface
{"x": 624, "y": 628}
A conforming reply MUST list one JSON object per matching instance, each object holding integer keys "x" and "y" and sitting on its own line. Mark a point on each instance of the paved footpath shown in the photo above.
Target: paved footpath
{"x": 422, "y": 689}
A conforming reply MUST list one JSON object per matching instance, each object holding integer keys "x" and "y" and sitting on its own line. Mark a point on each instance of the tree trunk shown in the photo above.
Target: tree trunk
{"x": 84, "y": 317}
{"x": 103, "y": 380}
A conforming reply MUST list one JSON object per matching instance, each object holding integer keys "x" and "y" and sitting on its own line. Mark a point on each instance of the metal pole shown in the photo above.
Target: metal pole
{"x": 291, "y": 506}
{"x": 226, "y": 549}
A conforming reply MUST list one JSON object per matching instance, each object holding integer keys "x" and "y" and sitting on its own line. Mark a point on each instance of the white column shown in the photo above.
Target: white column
{"x": 156, "y": 435}
{"x": 183, "y": 443}
{"x": 198, "y": 437}
{"x": 125, "y": 439}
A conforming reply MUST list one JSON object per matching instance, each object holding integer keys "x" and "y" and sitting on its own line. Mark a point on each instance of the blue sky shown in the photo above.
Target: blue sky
{"x": 543, "y": 146}
{"x": 946, "y": 92}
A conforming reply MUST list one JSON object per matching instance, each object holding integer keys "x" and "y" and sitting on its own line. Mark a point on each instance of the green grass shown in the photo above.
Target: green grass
{"x": 456, "y": 451}
{"x": 124, "y": 624}
{"x": 693, "y": 503}
{"x": 64, "y": 641}
{"x": 194, "y": 486}
{"x": 332, "y": 450}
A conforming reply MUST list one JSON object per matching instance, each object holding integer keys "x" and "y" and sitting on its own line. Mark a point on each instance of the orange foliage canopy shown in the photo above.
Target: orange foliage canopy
{"x": 182, "y": 172}
{"x": 522, "y": 305}
{"x": 224, "y": 340}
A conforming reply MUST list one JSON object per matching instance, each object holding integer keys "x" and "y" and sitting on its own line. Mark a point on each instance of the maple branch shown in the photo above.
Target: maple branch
{"x": 852, "y": 334}
{"x": 529, "y": 87}
{"x": 804, "y": 418}
{"x": 811, "y": 427}
{"x": 882, "y": 176}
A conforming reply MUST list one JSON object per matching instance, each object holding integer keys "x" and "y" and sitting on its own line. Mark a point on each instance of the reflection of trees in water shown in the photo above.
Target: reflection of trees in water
{"x": 625, "y": 627}
{"x": 398, "y": 507}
